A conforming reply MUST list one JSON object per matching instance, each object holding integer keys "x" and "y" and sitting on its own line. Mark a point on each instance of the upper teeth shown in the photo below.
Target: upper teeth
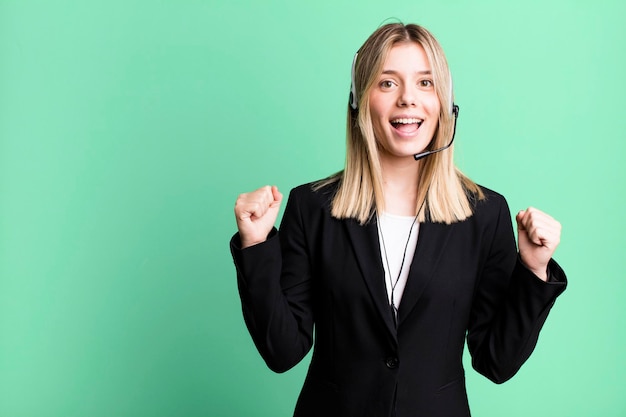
{"x": 407, "y": 121}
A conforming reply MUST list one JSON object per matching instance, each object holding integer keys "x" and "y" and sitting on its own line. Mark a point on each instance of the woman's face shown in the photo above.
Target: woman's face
{"x": 403, "y": 103}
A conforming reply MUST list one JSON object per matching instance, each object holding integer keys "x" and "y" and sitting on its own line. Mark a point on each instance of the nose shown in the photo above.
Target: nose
{"x": 407, "y": 97}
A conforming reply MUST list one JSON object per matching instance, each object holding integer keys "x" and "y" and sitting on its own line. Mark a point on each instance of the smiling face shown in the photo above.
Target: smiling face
{"x": 404, "y": 106}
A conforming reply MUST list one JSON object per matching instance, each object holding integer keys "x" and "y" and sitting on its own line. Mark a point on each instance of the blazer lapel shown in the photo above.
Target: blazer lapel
{"x": 364, "y": 240}
{"x": 431, "y": 243}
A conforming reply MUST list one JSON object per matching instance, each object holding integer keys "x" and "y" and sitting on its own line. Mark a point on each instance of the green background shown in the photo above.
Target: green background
{"x": 128, "y": 128}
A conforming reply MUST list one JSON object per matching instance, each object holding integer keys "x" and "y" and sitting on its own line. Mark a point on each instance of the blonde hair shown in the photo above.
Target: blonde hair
{"x": 444, "y": 193}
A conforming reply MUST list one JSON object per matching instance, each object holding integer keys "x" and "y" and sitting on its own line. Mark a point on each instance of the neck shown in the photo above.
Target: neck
{"x": 400, "y": 180}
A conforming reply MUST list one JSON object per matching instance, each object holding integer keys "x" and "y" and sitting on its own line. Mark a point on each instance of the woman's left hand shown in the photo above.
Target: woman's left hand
{"x": 538, "y": 235}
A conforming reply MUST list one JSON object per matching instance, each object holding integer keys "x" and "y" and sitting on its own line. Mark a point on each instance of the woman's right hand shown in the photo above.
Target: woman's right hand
{"x": 256, "y": 214}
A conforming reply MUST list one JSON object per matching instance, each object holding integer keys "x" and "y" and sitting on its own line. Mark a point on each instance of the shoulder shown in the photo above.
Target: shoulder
{"x": 315, "y": 194}
{"x": 309, "y": 206}
{"x": 491, "y": 195}
{"x": 493, "y": 204}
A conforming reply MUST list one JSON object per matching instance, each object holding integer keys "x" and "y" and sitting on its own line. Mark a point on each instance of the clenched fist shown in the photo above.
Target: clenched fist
{"x": 256, "y": 214}
{"x": 538, "y": 236}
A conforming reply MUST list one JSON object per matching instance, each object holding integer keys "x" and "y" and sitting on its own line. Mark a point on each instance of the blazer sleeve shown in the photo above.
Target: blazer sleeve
{"x": 274, "y": 282}
{"x": 510, "y": 305}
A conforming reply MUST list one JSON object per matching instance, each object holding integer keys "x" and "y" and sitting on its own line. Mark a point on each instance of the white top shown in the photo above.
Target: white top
{"x": 393, "y": 233}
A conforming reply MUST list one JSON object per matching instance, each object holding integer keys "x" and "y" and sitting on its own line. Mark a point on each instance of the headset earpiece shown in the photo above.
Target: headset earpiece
{"x": 354, "y": 99}
{"x": 454, "y": 109}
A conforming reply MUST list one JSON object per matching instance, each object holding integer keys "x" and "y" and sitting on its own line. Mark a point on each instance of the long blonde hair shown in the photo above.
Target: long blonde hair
{"x": 445, "y": 191}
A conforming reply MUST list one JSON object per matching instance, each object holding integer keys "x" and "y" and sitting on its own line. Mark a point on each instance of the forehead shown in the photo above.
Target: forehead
{"x": 409, "y": 56}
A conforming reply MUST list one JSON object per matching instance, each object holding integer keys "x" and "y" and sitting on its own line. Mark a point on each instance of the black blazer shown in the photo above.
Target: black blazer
{"x": 465, "y": 279}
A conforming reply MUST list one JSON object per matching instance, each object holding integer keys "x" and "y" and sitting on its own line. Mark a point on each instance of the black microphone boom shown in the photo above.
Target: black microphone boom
{"x": 418, "y": 156}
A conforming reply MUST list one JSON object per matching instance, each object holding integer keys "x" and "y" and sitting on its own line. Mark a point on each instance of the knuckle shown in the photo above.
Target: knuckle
{"x": 241, "y": 198}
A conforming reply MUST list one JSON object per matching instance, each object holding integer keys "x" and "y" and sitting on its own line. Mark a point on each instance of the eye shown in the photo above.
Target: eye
{"x": 387, "y": 84}
{"x": 425, "y": 83}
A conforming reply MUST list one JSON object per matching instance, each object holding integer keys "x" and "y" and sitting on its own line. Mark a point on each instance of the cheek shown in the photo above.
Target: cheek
{"x": 377, "y": 126}
{"x": 375, "y": 109}
{"x": 378, "y": 117}
{"x": 433, "y": 105}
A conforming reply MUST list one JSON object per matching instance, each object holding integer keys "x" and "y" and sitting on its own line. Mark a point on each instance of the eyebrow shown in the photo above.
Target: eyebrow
{"x": 393, "y": 72}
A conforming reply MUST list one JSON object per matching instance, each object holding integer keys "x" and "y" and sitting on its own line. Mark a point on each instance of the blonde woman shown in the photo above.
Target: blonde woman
{"x": 397, "y": 259}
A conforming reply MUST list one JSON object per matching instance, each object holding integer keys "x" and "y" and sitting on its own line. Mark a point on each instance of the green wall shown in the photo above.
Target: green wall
{"x": 128, "y": 128}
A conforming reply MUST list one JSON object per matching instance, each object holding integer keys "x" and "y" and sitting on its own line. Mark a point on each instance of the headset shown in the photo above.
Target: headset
{"x": 354, "y": 104}
{"x": 354, "y": 101}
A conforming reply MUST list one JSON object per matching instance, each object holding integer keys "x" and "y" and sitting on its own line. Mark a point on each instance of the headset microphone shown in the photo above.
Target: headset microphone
{"x": 418, "y": 156}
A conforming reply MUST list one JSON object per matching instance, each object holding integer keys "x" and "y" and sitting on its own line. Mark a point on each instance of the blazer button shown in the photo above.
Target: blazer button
{"x": 391, "y": 362}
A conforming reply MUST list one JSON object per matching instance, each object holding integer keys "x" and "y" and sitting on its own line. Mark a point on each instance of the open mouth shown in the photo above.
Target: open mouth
{"x": 406, "y": 125}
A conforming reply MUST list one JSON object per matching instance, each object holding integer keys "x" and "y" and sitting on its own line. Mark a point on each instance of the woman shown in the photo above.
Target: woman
{"x": 396, "y": 259}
